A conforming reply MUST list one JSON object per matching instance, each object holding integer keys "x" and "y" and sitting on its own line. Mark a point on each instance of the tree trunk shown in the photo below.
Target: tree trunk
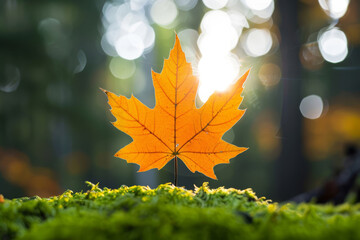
{"x": 291, "y": 165}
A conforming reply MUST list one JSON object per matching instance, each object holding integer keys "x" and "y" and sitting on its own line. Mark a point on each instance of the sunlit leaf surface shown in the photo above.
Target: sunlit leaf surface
{"x": 175, "y": 127}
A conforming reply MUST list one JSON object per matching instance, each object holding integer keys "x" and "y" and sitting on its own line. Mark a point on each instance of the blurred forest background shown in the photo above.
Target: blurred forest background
{"x": 302, "y": 96}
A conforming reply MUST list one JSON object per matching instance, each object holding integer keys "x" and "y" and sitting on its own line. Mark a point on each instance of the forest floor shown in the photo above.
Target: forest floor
{"x": 169, "y": 212}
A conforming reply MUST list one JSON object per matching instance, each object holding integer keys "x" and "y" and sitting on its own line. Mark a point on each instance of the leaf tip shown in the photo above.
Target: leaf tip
{"x": 243, "y": 149}
{"x": 211, "y": 175}
{"x": 177, "y": 42}
{"x": 246, "y": 74}
{"x": 153, "y": 73}
{"x": 103, "y": 90}
{"x": 214, "y": 177}
{"x": 241, "y": 81}
{"x": 142, "y": 169}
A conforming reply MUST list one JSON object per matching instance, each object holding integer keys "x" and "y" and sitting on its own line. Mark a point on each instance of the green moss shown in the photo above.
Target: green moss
{"x": 168, "y": 212}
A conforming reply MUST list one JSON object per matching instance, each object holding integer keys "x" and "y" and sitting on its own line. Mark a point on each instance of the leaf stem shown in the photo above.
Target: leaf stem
{"x": 176, "y": 171}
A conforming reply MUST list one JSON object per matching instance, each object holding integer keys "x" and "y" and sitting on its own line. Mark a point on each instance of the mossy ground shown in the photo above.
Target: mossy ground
{"x": 168, "y": 212}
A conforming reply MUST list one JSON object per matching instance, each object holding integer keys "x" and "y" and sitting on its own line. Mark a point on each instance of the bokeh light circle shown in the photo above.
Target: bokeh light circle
{"x": 9, "y": 78}
{"x": 257, "y": 42}
{"x": 127, "y": 30}
{"x": 218, "y": 35}
{"x": 129, "y": 46}
{"x": 269, "y": 74}
{"x": 121, "y": 68}
{"x": 264, "y": 14}
{"x": 186, "y": 5}
{"x": 215, "y": 4}
{"x": 163, "y": 12}
{"x": 311, "y": 107}
{"x": 258, "y": 5}
{"x": 333, "y": 45}
{"x": 238, "y": 21}
{"x": 219, "y": 42}
{"x": 334, "y": 8}
{"x": 214, "y": 19}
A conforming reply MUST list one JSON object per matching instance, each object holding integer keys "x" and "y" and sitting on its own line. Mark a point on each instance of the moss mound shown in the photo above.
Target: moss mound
{"x": 169, "y": 212}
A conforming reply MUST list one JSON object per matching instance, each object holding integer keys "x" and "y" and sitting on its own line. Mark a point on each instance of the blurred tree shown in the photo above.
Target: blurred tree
{"x": 291, "y": 166}
{"x": 50, "y": 67}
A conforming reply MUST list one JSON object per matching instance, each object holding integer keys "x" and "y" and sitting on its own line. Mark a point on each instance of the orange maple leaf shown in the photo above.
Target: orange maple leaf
{"x": 175, "y": 127}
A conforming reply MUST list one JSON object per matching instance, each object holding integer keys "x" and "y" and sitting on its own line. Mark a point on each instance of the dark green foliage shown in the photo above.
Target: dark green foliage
{"x": 168, "y": 212}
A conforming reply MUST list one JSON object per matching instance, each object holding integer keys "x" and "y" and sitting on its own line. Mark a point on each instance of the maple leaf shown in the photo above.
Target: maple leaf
{"x": 175, "y": 128}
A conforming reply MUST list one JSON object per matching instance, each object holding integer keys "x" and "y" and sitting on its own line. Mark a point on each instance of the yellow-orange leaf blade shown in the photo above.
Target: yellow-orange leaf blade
{"x": 175, "y": 92}
{"x": 208, "y": 155}
{"x": 175, "y": 127}
{"x": 135, "y": 119}
{"x": 213, "y": 119}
